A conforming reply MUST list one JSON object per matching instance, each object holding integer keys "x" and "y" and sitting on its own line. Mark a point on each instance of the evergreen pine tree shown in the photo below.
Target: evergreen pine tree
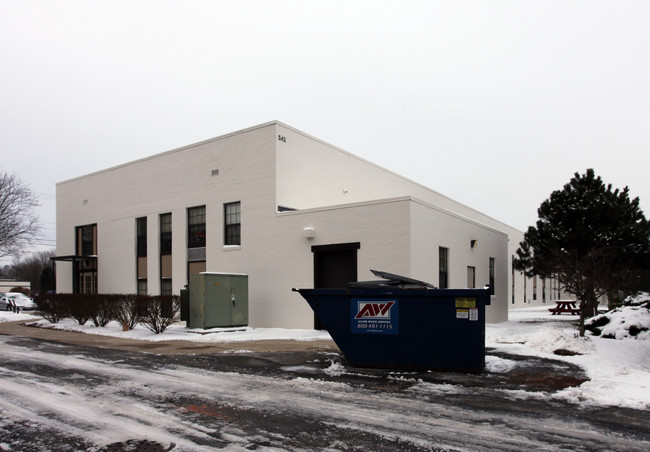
{"x": 593, "y": 239}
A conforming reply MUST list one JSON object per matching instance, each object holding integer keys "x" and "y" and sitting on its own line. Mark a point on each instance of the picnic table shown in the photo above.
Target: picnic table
{"x": 568, "y": 306}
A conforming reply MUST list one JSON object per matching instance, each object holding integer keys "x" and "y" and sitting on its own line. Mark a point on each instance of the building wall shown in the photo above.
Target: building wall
{"x": 399, "y": 224}
{"x": 312, "y": 173}
{"x": 432, "y": 228}
{"x": 286, "y": 261}
{"x": 7, "y": 284}
{"x": 527, "y": 292}
{"x": 398, "y": 235}
{"x": 167, "y": 183}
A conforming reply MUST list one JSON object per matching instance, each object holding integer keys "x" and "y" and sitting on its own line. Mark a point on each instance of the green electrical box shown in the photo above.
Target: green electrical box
{"x": 218, "y": 300}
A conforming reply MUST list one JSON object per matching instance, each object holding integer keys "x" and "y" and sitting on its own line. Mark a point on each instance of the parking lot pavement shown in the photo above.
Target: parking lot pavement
{"x": 69, "y": 397}
{"x": 533, "y": 373}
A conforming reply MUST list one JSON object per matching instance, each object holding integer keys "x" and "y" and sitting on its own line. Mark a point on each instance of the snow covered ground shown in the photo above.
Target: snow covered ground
{"x": 619, "y": 370}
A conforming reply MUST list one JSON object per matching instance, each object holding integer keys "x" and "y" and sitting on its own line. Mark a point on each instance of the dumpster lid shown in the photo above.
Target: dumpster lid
{"x": 390, "y": 280}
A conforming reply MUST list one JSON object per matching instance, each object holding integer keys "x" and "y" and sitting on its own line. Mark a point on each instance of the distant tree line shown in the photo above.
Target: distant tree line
{"x": 38, "y": 269}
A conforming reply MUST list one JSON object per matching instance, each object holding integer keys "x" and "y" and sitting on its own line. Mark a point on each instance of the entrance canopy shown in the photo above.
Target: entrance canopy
{"x": 84, "y": 272}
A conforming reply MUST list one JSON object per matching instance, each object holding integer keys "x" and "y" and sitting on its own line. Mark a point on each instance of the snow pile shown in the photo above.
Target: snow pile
{"x": 335, "y": 369}
{"x": 632, "y": 320}
{"x": 13, "y": 317}
{"x": 179, "y": 332}
{"x": 556, "y": 340}
{"x": 494, "y": 364}
{"x": 619, "y": 373}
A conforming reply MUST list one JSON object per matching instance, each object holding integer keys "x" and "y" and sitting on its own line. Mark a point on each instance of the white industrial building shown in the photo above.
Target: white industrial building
{"x": 288, "y": 210}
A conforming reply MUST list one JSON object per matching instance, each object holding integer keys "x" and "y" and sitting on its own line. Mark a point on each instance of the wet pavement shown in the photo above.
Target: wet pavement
{"x": 311, "y": 358}
{"x": 294, "y": 395}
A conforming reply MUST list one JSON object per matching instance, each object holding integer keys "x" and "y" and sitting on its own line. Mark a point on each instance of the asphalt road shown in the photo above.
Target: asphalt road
{"x": 65, "y": 397}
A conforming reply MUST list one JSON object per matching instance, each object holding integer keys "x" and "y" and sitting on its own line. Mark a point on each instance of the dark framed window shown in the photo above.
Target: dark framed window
{"x": 443, "y": 268}
{"x": 141, "y": 235}
{"x": 535, "y": 287}
{"x": 491, "y": 276}
{"x": 196, "y": 227}
{"x": 142, "y": 287}
{"x": 232, "y": 223}
{"x": 86, "y": 239}
{"x": 84, "y": 278}
{"x": 165, "y": 287}
{"x": 166, "y": 233}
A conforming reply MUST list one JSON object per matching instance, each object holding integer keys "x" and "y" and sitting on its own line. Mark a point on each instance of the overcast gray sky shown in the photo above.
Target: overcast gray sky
{"x": 492, "y": 103}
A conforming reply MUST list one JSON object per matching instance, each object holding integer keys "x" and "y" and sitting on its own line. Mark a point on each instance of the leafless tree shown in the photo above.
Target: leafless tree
{"x": 18, "y": 218}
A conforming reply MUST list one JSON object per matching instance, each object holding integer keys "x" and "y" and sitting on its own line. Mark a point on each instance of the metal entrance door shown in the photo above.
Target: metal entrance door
{"x": 334, "y": 267}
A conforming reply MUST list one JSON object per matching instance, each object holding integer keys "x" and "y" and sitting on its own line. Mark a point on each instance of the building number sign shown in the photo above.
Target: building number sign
{"x": 282, "y": 138}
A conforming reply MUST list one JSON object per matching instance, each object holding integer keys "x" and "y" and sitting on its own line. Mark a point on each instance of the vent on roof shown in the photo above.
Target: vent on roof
{"x": 215, "y": 172}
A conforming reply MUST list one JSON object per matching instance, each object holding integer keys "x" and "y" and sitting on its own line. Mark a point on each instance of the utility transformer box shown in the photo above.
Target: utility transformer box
{"x": 218, "y": 300}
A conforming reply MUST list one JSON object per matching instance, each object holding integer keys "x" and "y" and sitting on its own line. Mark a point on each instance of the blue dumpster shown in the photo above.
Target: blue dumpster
{"x": 404, "y": 324}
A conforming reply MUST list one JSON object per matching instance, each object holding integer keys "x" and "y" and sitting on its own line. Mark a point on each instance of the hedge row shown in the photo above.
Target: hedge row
{"x": 154, "y": 312}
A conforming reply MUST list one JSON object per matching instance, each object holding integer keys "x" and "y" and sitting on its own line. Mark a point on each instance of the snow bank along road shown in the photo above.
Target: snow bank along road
{"x": 70, "y": 398}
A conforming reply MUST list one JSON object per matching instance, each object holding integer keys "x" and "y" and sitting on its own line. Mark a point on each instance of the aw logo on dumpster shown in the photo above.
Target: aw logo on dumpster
{"x": 376, "y": 310}
{"x": 374, "y": 316}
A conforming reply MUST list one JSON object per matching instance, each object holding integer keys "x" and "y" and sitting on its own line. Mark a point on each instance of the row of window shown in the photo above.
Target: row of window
{"x": 196, "y": 230}
{"x": 554, "y": 287}
{"x": 443, "y": 271}
{"x": 196, "y": 225}
{"x": 196, "y": 238}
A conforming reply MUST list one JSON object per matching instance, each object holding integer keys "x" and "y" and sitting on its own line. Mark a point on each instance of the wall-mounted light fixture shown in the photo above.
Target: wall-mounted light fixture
{"x": 473, "y": 243}
{"x": 308, "y": 233}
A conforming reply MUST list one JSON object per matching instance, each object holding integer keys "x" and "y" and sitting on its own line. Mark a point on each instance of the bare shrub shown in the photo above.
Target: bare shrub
{"x": 126, "y": 311}
{"x": 158, "y": 312}
{"x": 53, "y": 307}
{"x": 103, "y": 307}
